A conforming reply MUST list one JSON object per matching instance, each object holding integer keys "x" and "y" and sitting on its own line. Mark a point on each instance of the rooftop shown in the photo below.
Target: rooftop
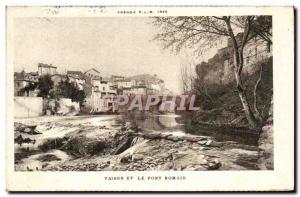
{"x": 91, "y": 70}
{"x": 75, "y": 73}
{"x": 46, "y": 65}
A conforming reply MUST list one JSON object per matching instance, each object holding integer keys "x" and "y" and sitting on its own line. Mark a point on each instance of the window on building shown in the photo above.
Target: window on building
{"x": 103, "y": 88}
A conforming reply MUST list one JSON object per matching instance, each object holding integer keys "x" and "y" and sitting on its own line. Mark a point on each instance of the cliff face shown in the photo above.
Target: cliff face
{"x": 216, "y": 71}
{"x": 220, "y": 101}
{"x": 219, "y": 69}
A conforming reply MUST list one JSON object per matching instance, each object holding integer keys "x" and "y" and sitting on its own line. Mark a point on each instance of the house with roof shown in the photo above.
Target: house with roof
{"x": 24, "y": 83}
{"x": 46, "y": 69}
{"x": 115, "y": 78}
{"x": 102, "y": 94}
{"x": 92, "y": 73}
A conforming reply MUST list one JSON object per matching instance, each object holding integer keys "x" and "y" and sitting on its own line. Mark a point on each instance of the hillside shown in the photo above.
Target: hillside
{"x": 221, "y": 104}
{"x": 147, "y": 78}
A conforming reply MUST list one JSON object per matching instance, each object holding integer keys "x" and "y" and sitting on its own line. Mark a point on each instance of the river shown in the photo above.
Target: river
{"x": 233, "y": 153}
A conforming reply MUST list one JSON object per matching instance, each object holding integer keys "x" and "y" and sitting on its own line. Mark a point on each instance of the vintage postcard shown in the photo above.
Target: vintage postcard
{"x": 150, "y": 98}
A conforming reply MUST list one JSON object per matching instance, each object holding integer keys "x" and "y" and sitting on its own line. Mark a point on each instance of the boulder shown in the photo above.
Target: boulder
{"x": 194, "y": 138}
{"x": 29, "y": 129}
{"x": 126, "y": 159}
{"x": 214, "y": 165}
{"x": 174, "y": 138}
{"x": 194, "y": 168}
{"x": 48, "y": 158}
{"x": 153, "y": 135}
{"x": 214, "y": 143}
{"x": 209, "y": 142}
{"x": 182, "y": 160}
{"x": 124, "y": 144}
{"x": 202, "y": 142}
{"x": 195, "y": 148}
{"x": 165, "y": 135}
{"x": 265, "y": 144}
{"x": 167, "y": 166}
{"x": 203, "y": 148}
{"x": 137, "y": 157}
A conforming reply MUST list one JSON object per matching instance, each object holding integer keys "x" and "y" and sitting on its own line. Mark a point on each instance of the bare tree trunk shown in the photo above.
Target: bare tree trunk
{"x": 184, "y": 78}
{"x": 239, "y": 64}
{"x": 256, "y": 112}
{"x": 248, "y": 113}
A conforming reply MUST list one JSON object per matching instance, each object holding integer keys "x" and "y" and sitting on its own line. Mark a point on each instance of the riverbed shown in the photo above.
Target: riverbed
{"x": 128, "y": 142}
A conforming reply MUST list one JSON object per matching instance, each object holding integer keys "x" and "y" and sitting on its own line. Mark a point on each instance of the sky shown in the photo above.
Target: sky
{"x": 119, "y": 46}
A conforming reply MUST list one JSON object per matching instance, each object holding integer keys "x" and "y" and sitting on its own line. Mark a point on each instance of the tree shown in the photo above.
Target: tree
{"x": 203, "y": 32}
{"x": 80, "y": 97}
{"x": 31, "y": 86}
{"x": 45, "y": 85}
{"x": 67, "y": 89}
{"x": 186, "y": 76}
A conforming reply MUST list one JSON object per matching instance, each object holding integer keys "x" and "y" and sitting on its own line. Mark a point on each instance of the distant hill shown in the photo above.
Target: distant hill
{"x": 147, "y": 78}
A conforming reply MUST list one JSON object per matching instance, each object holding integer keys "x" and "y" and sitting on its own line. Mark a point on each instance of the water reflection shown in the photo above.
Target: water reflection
{"x": 182, "y": 123}
{"x": 155, "y": 122}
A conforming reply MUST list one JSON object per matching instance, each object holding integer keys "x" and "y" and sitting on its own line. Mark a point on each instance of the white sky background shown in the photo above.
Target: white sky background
{"x": 120, "y": 46}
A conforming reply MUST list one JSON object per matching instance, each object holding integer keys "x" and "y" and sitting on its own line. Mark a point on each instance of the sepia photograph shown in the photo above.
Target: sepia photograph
{"x": 156, "y": 92}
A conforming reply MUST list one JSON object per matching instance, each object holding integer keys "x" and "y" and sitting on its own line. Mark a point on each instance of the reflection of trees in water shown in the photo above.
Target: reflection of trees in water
{"x": 241, "y": 135}
{"x": 144, "y": 120}
{"x": 148, "y": 121}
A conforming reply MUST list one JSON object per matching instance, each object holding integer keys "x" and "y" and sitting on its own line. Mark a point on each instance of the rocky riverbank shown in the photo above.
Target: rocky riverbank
{"x": 104, "y": 144}
{"x": 265, "y": 144}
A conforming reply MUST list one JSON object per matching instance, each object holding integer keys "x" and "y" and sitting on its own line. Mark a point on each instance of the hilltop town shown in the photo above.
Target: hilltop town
{"x": 99, "y": 92}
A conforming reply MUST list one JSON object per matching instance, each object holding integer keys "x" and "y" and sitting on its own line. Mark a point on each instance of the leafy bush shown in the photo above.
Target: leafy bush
{"x": 67, "y": 89}
{"x": 45, "y": 86}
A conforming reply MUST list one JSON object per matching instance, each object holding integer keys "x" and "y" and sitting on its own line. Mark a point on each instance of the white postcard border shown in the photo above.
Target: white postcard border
{"x": 281, "y": 178}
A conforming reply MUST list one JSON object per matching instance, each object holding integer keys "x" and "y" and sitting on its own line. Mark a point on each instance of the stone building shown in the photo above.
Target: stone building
{"x": 219, "y": 68}
{"x": 46, "y": 69}
{"x": 24, "y": 83}
{"x": 92, "y": 73}
{"x": 126, "y": 83}
{"x": 102, "y": 92}
{"x": 141, "y": 85}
